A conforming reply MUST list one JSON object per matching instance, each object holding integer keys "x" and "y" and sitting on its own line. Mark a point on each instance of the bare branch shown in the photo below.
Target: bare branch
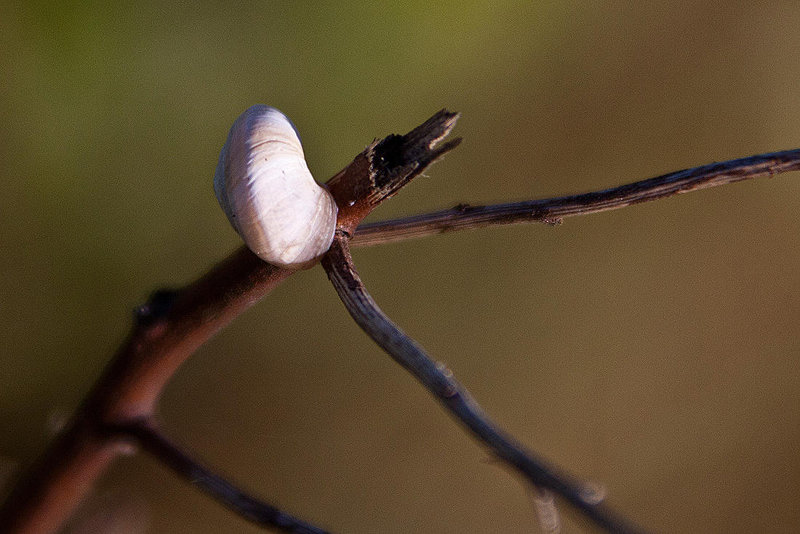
{"x": 552, "y": 210}
{"x": 153, "y": 441}
{"x": 174, "y": 324}
{"x": 441, "y": 383}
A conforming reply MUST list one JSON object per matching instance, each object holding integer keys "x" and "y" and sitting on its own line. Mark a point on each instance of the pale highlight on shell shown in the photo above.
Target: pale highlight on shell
{"x": 265, "y": 188}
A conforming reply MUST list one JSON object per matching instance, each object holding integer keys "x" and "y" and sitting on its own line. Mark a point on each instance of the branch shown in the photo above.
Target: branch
{"x": 552, "y": 210}
{"x": 174, "y": 324}
{"x": 440, "y": 382}
{"x": 246, "y": 506}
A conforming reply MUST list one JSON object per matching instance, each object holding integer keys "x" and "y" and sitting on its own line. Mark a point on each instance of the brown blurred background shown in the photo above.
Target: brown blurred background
{"x": 653, "y": 350}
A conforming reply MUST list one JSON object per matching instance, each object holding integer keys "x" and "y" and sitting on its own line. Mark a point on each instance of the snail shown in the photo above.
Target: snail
{"x": 264, "y": 187}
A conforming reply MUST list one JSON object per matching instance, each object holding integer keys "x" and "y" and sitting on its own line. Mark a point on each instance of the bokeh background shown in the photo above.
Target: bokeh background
{"x": 653, "y": 350}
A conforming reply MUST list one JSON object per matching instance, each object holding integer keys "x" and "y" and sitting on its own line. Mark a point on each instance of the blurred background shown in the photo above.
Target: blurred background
{"x": 652, "y": 350}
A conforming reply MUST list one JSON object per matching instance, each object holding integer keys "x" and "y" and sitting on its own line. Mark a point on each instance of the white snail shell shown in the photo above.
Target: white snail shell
{"x": 265, "y": 188}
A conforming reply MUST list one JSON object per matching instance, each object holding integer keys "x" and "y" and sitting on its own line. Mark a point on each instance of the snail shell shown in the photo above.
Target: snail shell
{"x": 265, "y": 188}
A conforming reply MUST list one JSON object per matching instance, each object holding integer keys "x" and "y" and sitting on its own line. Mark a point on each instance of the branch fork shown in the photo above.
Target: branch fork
{"x": 120, "y": 409}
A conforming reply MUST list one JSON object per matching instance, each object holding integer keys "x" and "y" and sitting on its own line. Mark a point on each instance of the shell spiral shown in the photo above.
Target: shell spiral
{"x": 264, "y": 186}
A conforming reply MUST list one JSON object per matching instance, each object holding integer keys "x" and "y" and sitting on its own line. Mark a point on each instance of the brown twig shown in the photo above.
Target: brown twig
{"x": 440, "y": 382}
{"x": 150, "y": 439}
{"x": 552, "y": 210}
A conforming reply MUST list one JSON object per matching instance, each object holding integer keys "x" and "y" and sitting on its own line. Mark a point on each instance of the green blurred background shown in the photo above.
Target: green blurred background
{"x": 653, "y": 349}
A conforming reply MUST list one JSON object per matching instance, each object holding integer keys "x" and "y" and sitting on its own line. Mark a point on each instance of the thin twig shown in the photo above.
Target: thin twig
{"x": 150, "y": 439}
{"x": 552, "y": 210}
{"x": 440, "y": 382}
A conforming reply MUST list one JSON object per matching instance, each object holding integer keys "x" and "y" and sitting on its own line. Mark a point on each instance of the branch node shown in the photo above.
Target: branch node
{"x": 442, "y": 367}
{"x": 552, "y": 221}
{"x": 157, "y": 307}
